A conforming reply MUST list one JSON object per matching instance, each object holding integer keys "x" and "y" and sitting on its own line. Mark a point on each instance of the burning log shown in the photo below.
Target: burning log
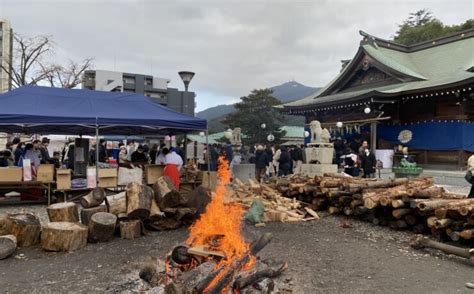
{"x": 139, "y": 199}
{"x": 94, "y": 198}
{"x": 243, "y": 282}
{"x": 87, "y": 213}
{"x": 225, "y": 280}
{"x": 25, "y": 227}
{"x": 117, "y": 203}
{"x": 63, "y": 212}
{"x": 102, "y": 227}
{"x": 130, "y": 229}
{"x": 7, "y": 246}
{"x": 63, "y": 236}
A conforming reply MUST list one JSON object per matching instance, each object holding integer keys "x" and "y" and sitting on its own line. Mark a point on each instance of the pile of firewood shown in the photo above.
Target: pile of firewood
{"x": 102, "y": 217}
{"x": 277, "y": 207}
{"x": 401, "y": 203}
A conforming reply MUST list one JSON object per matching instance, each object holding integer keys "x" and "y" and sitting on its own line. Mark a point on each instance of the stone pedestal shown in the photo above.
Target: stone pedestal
{"x": 313, "y": 170}
{"x": 243, "y": 172}
{"x": 319, "y": 153}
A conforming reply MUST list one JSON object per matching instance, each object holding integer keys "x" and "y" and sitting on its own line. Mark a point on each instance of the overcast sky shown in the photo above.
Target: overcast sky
{"x": 233, "y": 46}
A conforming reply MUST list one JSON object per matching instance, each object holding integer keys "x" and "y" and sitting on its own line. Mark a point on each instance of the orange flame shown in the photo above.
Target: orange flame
{"x": 221, "y": 221}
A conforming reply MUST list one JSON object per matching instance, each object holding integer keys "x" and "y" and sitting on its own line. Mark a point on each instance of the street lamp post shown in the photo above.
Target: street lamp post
{"x": 186, "y": 77}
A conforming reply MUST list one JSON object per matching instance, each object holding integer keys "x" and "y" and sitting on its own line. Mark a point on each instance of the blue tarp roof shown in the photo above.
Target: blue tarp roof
{"x": 35, "y": 109}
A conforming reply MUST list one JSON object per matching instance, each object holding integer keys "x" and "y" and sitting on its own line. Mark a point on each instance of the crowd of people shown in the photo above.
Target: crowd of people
{"x": 36, "y": 151}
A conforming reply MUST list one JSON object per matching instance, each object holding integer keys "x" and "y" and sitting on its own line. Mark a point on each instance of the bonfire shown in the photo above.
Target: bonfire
{"x": 216, "y": 258}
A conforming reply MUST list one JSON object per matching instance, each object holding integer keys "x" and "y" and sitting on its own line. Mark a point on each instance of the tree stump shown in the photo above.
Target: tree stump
{"x": 94, "y": 198}
{"x": 117, "y": 203}
{"x": 7, "y": 246}
{"x": 102, "y": 227}
{"x": 63, "y": 236}
{"x": 3, "y": 225}
{"x": 138, "y": 200}
{"x": 155, "y": 211}
{"x": 131, "y": 229}
{"x": 86, "y": 213}
{"x": 63, "y": 212}
{"x": 25, "y": 227}
{"x": 166, "y": 195}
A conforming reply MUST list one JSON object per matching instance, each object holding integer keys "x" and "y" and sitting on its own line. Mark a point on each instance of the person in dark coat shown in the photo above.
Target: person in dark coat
{"x": 153, "y": 153}
{"x": 102, "y": 151}
{"x": 19, "y": 151}
{"x": 139, "y": 155}
{"x": 368, "y": 161}
{"x": 45, "y": 158}
{"x": 261, "y": 162}
{"x": 284, "y": 166}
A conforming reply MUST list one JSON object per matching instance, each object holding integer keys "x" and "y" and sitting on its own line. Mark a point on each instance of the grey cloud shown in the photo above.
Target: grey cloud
{"x": 233, "y": 46}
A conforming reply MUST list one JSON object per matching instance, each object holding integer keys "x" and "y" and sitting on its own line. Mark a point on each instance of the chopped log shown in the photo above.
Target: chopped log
{"x": 431, "y": 192}
{"x": 138, "y": 200}
{"x": 7, "y": 246}
{"x": 397, "y": 203}
{"x": 462, "y": 252}
{"x": 470, "y": 219}
{"x": 466, "y": 210}
{"x": 360, "y": 210}
{"x": 333, "y": 210}
{"x": 87, "y": 213}
{"x": 357, "y": 187}
{"x": 131, "y": 229}
{"x": 94, "y": 198}
{"x": 398, "y": 225}
{"x": 400, "y": 212}
{"x": 3, "y": 224}
{"x": 431, "y": 221}
{"x": 442, "y": 223}
{"x": 117, "y": 204}
{"x": 63, "y": 212}
{"x": 63, "y": 236}
{"x": 419, "y": 228}
{"x": 441, "y": 212}
{"x": 410, "y": 219}
{"x": 347, "y": 210}
{"x": 205, "y": 252}
{"x": 155, "y": 212}
{"x": 243, "y": 282}
{"x": 102, "y": 227}
{"x": 25, "y": 227}
{"x": 467, "y": 234}
{"x": 454, "y": 235}
{"x": 356, "y": 202}
{"x": 432, "y": 204}
{"x": 166, "y": 194}
{"x": 256, "y": 187}
{"x": 312, "y": 212}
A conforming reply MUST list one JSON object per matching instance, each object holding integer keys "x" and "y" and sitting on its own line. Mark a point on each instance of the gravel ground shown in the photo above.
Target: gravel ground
{"x": 323, "y": 257}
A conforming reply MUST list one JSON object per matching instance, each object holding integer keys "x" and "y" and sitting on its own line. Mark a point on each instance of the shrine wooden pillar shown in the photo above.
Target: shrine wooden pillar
{"x": 373, "y": 136}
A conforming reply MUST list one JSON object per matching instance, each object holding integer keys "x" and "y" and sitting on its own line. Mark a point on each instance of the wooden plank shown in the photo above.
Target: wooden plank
{"x": 205, "y": 252}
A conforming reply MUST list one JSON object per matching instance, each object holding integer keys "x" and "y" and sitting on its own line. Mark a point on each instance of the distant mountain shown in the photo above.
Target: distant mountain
{"x": 285, "y": 92}
{"x": 216, "y": 111}
{"x": 291, "y": 91}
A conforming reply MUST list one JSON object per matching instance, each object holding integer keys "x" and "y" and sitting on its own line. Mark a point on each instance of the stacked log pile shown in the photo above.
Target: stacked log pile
{"x": 411, "y": 204}
{"x": 277, "y": 207}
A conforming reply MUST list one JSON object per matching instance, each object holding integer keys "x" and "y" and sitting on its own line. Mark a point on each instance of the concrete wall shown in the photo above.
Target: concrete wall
{"x": 451, "y": 178}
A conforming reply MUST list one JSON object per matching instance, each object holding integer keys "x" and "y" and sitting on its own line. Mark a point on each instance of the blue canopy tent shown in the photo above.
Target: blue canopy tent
{"x": 35, "y": 109}
{"x": 45, "y": 110}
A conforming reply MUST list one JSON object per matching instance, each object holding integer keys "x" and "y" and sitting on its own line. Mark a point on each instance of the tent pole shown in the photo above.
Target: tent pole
{"x": 208, "y": 151}
{"x": 185, "y": 149}
{"x": 97, "y": 154}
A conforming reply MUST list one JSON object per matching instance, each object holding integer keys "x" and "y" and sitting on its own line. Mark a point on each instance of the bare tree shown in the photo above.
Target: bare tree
{"x": 28, "y": 53}
{"x": 67, "y": 76}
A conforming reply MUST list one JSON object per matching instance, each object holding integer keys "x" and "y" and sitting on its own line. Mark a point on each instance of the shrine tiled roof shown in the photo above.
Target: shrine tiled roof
{"x": 422, "y": 67}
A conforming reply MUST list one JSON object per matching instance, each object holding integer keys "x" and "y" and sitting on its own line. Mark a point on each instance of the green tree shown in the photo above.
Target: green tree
{"x": 254, "y": 110}
{"x": 422, "y": 26}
